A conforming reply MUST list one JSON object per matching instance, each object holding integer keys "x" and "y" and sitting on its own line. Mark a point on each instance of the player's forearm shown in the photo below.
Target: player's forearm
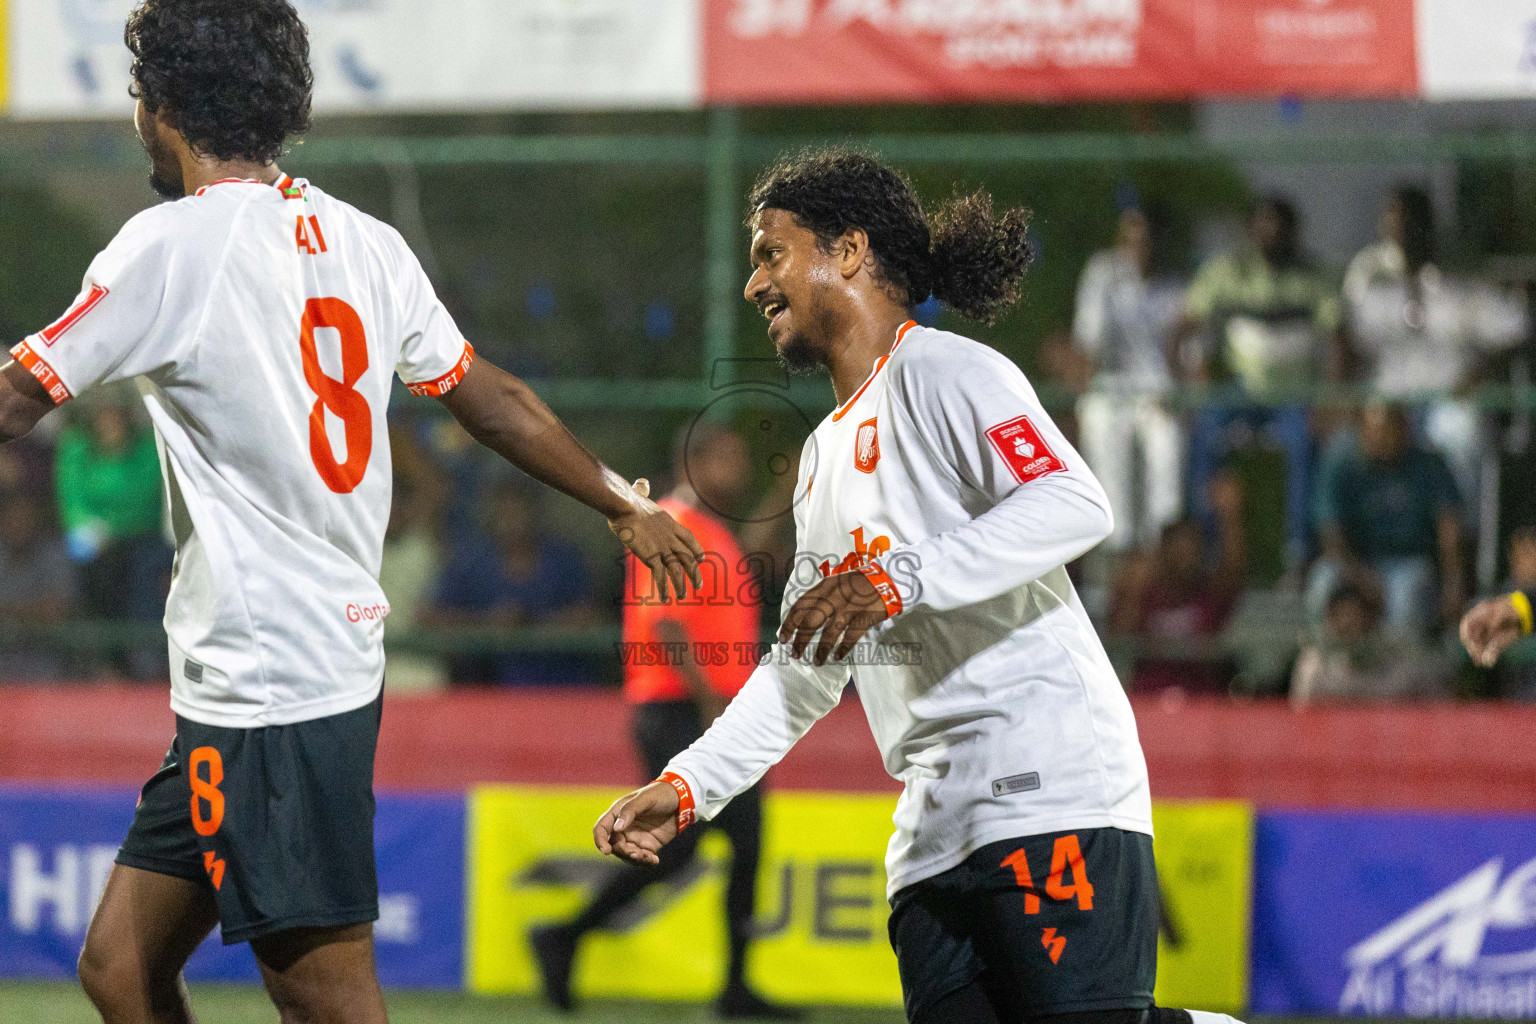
{"x": 502, "y": 413}
{"x": 1033, "y": 531}
{"x": 777, "y": 706}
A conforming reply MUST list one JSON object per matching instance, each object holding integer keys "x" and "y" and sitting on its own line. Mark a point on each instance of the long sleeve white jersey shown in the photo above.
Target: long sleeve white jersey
{"x": 265, "y": 326}
{"x": 989, "y": 694}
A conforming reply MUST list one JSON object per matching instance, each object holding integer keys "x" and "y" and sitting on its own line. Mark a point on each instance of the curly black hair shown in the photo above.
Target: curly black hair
{"x": 235, "y": 72}
{"x": 964, "y": 254}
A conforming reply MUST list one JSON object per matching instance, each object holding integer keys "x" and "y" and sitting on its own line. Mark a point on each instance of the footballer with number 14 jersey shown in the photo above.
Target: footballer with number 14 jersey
{"x": 940, "y": 505}
{"x": 264, "y": 323}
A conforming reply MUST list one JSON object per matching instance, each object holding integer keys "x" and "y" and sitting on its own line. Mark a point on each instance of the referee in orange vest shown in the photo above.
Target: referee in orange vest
{"x": 684, "y": 663}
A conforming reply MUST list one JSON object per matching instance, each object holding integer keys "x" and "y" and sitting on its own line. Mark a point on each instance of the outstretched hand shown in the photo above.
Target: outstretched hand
{"x": 639, "y": 824}
{"x": 665, "y": 547}
{"x": 1488, "y": 630}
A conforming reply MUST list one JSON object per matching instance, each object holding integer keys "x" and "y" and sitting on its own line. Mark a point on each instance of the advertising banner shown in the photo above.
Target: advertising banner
{"x": 1395, "y": 914}
{"x": 821, "y": 902}
{"x": 1304, "y": 47}
{"x": 821, "y": 908}
{"x": 793, "y": 51}
{"x": 1204, "y": 855}
{"x": 57, "y": 847}
{"x": 67, "y": 59}
{"x": 1491, "y": 54}
{"x": 398, "y": 55}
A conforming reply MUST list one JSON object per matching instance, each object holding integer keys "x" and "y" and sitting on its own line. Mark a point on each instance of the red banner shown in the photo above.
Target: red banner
{"x": 1306, "y": 47}
{"x": 1450, "y": 756}
{"x": 846, "y": 51}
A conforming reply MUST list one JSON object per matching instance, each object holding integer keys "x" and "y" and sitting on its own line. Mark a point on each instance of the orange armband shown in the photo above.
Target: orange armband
{"x": 885, "y": 587}
{"x": 685, "y": 811}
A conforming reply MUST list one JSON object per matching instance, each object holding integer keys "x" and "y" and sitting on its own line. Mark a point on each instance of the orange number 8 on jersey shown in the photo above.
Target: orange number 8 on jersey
{"x": 206, "y": 790}
{"x": 338, "y": 396}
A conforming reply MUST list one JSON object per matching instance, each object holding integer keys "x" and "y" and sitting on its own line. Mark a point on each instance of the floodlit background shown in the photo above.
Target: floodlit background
{"x": 1282, "y": 302}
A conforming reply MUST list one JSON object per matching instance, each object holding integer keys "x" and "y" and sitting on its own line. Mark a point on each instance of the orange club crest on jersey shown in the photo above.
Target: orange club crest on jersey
{"x": 866, "y": 446}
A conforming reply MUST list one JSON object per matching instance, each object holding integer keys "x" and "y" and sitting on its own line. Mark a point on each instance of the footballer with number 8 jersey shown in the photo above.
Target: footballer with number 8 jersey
{"x": 264, "y": 322}
{"x": 939, "y": 506}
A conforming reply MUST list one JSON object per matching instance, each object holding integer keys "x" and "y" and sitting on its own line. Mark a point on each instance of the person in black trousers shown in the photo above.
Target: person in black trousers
{"x": 676, "y": 695}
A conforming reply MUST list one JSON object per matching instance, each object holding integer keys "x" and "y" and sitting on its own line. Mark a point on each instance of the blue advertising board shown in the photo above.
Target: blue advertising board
{"x": 1395, "y": 914}
{"x": 56, "y": 851}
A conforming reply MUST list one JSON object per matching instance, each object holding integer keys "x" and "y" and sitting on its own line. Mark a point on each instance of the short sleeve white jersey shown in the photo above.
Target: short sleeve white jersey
{"x": 987, "y": 690}
{"x": 264, "y": 325}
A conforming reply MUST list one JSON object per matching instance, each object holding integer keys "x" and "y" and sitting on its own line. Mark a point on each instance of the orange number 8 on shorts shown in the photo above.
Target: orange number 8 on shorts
{"x": 206, "y": 790}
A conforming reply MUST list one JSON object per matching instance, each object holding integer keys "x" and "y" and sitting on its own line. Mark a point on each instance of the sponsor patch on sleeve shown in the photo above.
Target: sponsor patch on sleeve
{"x": 1024, "y": 450}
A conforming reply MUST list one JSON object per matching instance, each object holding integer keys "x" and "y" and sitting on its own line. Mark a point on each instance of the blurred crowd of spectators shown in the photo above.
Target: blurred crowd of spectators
{"x": 84, "y": 553}
{"x": 1241, "y": 496}
{"x": 81, "y": 537}
{"x": 1298, "y": 460}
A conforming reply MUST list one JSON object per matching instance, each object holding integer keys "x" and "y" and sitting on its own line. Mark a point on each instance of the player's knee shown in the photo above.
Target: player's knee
{"x": 102, "y": 975}
{"x": 298, "y": 1003}
{"x": 93, "y": 969}
{"x": 310, "y": 1003}
{"x": 291, "y": 1009}
{"x": 119, "y": 989}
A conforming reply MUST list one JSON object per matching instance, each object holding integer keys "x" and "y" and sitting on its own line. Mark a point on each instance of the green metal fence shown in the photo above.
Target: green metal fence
{"x": 726, "y": 155}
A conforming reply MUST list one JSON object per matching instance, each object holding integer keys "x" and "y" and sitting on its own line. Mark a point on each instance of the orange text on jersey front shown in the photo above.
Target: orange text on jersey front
{"x": 861, "y": 555}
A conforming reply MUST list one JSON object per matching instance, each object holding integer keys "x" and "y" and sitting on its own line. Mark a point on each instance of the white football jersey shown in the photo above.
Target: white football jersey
{"x": 265, "y": 325}
{"x": 988, "y": 693}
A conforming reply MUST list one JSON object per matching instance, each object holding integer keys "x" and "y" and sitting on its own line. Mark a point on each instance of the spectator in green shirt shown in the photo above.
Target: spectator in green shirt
{"x": 111, "y": 505}
{"x": 1272, "y": 324}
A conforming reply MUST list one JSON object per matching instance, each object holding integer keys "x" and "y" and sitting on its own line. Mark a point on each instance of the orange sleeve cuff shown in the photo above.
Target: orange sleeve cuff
{"x": 39, "y": 368}
{"x": 685, "y": 806}
{"x": 885, "y": 587}
{"x": 448, "y": 381}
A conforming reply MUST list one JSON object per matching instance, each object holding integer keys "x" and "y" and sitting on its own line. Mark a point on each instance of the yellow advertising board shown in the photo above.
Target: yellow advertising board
{"x": 1205, "y": 866}
{"x": 821, "y": 902}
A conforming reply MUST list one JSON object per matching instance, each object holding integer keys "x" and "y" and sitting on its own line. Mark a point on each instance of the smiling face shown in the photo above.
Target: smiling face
{"x": 793, "y": 282}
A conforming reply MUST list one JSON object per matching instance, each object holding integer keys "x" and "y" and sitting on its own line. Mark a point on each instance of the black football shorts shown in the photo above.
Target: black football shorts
{"x": 1058, "y": 923}
{"x": 277, "y": 822}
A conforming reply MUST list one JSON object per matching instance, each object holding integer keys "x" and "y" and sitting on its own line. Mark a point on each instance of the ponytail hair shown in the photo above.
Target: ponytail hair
{"x": 965, "y": 254}
{"x": 979, "y": 257}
